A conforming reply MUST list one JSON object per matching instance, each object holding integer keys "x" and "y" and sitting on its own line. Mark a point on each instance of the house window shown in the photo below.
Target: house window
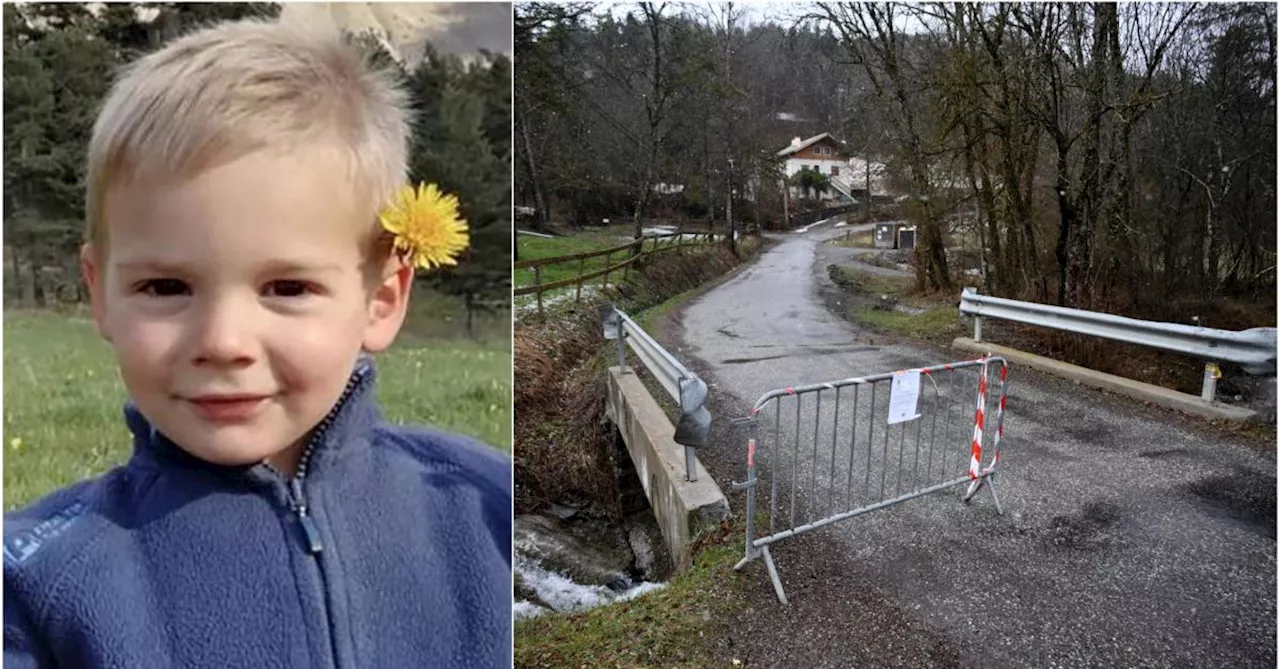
{"x": 835, "y": 170}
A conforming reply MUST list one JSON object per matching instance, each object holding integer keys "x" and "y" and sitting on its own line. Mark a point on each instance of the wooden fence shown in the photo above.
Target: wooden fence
{"x": 639, "y": 248}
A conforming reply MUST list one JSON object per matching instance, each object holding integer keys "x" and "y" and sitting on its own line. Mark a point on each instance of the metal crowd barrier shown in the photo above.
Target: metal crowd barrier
{"x": 836, "y": 455}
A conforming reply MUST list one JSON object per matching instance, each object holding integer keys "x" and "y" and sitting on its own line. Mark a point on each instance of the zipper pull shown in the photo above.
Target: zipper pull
{"x": 309, "y": 530}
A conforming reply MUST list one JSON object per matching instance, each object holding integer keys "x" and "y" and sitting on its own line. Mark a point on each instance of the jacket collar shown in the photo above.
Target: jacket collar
{"x": 344, "y": 431}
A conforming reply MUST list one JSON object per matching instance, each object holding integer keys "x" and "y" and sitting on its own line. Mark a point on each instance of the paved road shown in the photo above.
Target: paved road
{"x": 851, "y": 255}
{"x": 1131, "y": 537}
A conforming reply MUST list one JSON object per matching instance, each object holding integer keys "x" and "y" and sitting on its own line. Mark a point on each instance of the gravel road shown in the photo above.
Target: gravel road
{"x": 1131, "y": 536}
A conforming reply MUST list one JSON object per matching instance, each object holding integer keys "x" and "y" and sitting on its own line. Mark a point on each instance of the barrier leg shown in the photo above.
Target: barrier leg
{"x": 988, "y": 480}
{"x": 991, "y": 485}
{"x": 773, "y": 575}
{"x": 750, "y": 487}
{"x": 973, "y": 489}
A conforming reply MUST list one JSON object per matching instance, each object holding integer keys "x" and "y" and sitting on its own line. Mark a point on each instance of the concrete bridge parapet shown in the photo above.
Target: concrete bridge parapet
{"x": 683, "y": 509}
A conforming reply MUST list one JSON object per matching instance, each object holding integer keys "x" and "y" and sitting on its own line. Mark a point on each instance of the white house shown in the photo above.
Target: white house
{"x": 823, "y": 154}
{"x": 846, "y": 173}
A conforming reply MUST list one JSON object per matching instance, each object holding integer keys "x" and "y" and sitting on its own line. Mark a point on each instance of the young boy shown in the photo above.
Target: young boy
{"x": 268, "y": 517}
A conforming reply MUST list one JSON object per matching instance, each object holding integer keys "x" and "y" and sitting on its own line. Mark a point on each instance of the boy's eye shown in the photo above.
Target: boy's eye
{"x": 165, "y": 287}
{"x": 287, "y": 288}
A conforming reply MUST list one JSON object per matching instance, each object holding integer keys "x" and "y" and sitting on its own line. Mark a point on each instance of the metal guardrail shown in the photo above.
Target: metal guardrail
{"x": 688, "y": 391}
{"x": 1254, "y": 350}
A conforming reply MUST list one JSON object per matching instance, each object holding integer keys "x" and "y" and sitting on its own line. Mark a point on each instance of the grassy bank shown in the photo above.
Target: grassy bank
{"x": 663, "y": 628}
{"x": 890, "y": 305}
{"x": 63, "y": 395}
{"x": 862, "y": 240}
{"x": 559, "y": 380}
{"x": 670, "y": 627}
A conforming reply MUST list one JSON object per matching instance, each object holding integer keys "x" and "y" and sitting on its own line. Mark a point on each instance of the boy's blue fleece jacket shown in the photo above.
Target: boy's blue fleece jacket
{"x": 401, "y": 557}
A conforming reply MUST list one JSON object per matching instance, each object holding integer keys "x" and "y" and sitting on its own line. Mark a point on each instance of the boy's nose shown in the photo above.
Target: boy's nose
{"x": 224, "y": 336}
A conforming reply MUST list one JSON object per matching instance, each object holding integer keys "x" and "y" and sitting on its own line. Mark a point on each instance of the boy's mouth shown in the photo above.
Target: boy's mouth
{"x": 227, "y": 408}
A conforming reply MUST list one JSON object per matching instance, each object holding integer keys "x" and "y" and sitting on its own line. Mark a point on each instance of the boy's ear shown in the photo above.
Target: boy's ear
{"x": 92, "y": 273}
{"x": 388, "y": 305}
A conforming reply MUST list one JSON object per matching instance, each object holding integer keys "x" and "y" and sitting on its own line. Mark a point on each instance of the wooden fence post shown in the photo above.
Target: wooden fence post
{"x": 577, "y": 293}
{"x": 537, "y": 281}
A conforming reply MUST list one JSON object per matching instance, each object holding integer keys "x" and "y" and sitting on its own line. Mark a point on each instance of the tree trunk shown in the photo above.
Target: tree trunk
{"x": 728, "y": 213}
{"x": 866, "y": 165}
{"x": 541, "y": 216}
{"x": 1066, "y": 219}
{"x": 642, "y": 200}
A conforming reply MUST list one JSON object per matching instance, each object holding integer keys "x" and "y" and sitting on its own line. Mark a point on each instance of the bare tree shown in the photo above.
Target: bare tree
{"x": 872, "y": 35}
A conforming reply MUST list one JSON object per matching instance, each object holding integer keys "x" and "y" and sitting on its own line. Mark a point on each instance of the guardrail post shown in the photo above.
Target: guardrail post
{"x": 622, "y": 347}
{"x": 613, "y": 329}
{"x": 1211, "y": 374}
{"x": 690, "y": 462}
{"x": 977, "y": 320}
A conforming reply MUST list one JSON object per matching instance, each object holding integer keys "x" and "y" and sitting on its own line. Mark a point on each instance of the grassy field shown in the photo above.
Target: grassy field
{"x": 63, "y": 396}
{"x": 532, "y": 248}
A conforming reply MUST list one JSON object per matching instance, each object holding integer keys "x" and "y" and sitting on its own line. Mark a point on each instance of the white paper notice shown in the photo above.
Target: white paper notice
{"x": 904, "y": 394}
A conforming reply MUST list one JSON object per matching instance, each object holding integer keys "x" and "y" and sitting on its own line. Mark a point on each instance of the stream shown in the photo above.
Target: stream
{"x": 567, "y": 560}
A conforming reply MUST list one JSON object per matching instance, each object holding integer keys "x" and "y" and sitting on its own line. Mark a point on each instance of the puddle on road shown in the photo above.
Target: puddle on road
{"x": 1246, "y": 497}
{"x": 1086, "y": 530}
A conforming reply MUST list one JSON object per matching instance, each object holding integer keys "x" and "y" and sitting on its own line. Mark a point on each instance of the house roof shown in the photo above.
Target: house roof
{"x": 804, "y": 144}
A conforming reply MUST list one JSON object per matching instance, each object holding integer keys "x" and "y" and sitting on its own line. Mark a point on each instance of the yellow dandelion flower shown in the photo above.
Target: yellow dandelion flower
{"x": 428, "y": 232}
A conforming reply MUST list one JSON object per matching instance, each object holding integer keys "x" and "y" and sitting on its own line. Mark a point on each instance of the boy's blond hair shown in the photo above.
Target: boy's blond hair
{"x": 226, "y": 91}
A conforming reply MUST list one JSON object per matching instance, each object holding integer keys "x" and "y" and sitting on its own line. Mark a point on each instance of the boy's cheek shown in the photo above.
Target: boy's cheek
{"x": 139, "y": 343}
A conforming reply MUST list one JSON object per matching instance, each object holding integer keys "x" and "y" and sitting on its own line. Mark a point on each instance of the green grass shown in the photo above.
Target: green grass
{"x": 63, "y": 396}
{"x": 532, "y": 248}
{"x": 932, "y": 324}
{"x": 866, "y": 283}
{"x": 434, "y": 317}
{"x": 663, "y": 628}
{"x": 650, "y": 318}
{"x": 860, "y": 240}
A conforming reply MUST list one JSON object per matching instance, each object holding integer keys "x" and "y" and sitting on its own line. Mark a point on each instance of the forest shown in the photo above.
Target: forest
{"x": 1113, "y": 157}
{"x": 60, "y": 60}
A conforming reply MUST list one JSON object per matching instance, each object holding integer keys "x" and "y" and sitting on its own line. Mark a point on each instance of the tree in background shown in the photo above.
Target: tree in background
{"x": 59, "y": 63}
{"x": 60, "y": 60}
{"x": 462, "y": 142}
{"x": 541, "y": 33}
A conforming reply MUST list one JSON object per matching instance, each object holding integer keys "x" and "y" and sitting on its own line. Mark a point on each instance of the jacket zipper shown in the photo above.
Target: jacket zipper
{"x": 297, "y": 497}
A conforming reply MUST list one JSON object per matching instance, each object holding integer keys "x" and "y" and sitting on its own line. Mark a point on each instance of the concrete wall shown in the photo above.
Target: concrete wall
{"x": 683, "y": 509}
